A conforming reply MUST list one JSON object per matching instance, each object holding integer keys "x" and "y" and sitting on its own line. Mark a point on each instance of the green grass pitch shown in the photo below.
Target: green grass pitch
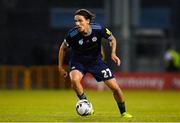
{"x": 59, "y": 106}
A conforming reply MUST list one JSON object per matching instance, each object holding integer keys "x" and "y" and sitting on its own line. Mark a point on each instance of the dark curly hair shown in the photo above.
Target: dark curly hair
{"x": 86, "y": 13}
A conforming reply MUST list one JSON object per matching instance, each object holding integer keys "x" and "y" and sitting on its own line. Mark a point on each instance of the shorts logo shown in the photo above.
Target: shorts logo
{"x": 94, "y": 39}
{"x": 81, "y": 42}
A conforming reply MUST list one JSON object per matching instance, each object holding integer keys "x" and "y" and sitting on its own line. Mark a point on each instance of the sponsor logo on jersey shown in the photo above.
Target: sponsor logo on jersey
{"x": 81, "y": 42}
{"x": 94, "y": 39}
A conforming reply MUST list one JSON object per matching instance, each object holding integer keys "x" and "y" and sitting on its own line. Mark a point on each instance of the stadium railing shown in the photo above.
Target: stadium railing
{"x": 33, "y": 77}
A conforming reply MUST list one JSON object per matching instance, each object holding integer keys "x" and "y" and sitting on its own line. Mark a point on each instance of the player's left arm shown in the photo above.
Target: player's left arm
{"x": 112, "y": 40}
{"x": 114, "y": 57}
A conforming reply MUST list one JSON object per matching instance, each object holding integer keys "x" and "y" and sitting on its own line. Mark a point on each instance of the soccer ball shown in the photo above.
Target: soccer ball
{"x": 83, "y": 107}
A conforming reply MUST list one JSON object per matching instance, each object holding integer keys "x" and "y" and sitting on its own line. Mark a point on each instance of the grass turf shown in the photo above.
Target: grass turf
{"x": 59, "y": 106}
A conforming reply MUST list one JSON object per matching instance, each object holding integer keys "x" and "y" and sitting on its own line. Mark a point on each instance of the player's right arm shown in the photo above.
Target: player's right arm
{"x": 61, "y": 59}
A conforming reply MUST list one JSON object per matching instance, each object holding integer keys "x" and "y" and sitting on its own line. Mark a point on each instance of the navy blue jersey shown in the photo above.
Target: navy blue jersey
{"x": 87, "y": 48}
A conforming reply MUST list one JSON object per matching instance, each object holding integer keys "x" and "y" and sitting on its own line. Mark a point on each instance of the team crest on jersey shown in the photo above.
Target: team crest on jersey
{"x": 94, "y": 39}
{"x": 81, "y": 42}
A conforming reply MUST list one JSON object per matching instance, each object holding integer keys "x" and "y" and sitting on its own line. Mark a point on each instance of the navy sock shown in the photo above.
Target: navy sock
{"x": 82, "y": 96}
{"x": 121, "y": 106}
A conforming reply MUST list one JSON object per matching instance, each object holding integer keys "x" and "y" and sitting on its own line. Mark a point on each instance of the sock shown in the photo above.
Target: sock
{"x": 82, "y": 96}
{"x": 121, "y": 106}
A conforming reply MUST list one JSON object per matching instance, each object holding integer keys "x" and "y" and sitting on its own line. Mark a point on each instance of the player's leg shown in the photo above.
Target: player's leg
{"x": 76, "y": 77}
{"x": 101, "y": 72}
{"x": 118, "y": 96}
{"x": 117, "y": 92}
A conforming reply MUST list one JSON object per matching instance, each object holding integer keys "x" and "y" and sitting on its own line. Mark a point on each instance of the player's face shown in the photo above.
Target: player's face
{"x": 81, "y": 23}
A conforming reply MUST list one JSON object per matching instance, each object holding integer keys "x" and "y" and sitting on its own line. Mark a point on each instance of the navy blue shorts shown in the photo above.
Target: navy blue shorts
{"x": 98, "y": 69}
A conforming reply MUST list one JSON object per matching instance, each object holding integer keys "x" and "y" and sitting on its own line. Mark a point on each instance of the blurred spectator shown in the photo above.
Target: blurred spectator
{"x": 172, "y": 59}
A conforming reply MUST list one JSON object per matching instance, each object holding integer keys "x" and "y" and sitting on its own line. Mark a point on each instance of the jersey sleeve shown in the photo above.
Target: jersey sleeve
{"x": 106, "y": 33}
{"x": 70, "y": 36}
{"x": 67, "y": 40}
{"x": 66, "y": 43}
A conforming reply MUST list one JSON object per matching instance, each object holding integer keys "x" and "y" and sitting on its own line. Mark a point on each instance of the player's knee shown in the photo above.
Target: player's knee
{"x": 75, "y": 79}
{"x": 114, "y": 86}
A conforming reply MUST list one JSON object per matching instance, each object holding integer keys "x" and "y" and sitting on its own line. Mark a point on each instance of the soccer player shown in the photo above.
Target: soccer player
{"x": 85, "y": 41}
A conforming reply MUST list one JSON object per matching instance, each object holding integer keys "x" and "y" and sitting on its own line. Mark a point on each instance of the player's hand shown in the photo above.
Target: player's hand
{"x": 63, "y": 72}
{"x": 115, "y": 59}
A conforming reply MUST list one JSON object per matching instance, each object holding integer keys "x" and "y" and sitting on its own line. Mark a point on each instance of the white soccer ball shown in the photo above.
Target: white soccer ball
{"x": 83, "y": 107}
